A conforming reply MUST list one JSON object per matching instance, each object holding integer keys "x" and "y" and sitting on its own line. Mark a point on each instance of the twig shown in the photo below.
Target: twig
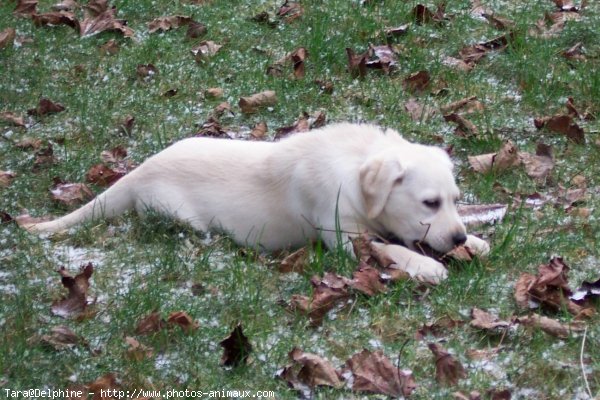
{"x": 587, "y": 384}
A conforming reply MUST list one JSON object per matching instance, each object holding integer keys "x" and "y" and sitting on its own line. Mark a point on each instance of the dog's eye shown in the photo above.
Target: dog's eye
{"x": 433, "y": 204}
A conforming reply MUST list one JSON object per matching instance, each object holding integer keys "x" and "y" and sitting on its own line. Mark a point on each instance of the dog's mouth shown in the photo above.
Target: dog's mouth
{"x": 427, "y": 250}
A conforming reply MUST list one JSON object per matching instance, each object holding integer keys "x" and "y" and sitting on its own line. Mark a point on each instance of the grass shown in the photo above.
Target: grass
{"x": 151, "y": 264}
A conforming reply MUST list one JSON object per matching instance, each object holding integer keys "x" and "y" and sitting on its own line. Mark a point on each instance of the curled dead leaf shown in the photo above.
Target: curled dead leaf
{"x": 12, "y": 118}
{"x": 301, "y": 125}
{"x": 483, "y": 320}
{"x": 465, "y": 128}
{"x": 25, "y": 8}
{"x": 214, "y": 93}
{"x": 251, "y": 104}
{"x": 205, "y": 48}
{"x": 137, "y": 351}
{"x": 100, "y": 18}
{"x": 418, "y": 111}
{"x": 46, "y": 106}
{"x": 7, "y": 37}
{"x": 373, "y": 372}
{"x": 76, "y": 301}
{"x": 294, "y": 262}
{"x": 551, "y": 326}
{"x": 448, "y": 370}
{"x": 150, "y": 324}
{"x": 367, "y": 280}
{"x": 309, "y": 370}
{"x": 290, "y": 11}
{"x": 417, "y": 82}
{"x": 71, "y": 194}
{"x": 167, "y": 23}
{"x": 61, "y": 337}
{"x": 357, "y": 63}
{"x": 183, "y": 320}
{"x": 6, "y": 178}
{"x": 236, "y": 347}
{"x": 506, "y": 158}
{"x": 259, "y": 131}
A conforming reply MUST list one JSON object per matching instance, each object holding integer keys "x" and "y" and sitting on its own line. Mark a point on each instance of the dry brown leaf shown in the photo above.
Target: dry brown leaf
{"x": 417, "y": 82}
{"x": 29, "y": 143}
{"x": 137, "y": 351}
{"x": 309, "y": 370}
{"x": 551, "y": 326}
{"x": 7, "y": 37}
{"x": 259, "y": 131}
{"x": 467, "y": 105}
{"x": 103, "y": 175}
{"x": 464, "y": 128}
{"x": 396, "y": 31}
{"x": 66, "y": 5}
{"x": 506, "y": 158}
{"x": 418, "y": 111}
{"x": 95, "y": 23}
{"x": 251, "y": 104}
{"x": 325, "y": 86}
{"x": 76, "y": 301}
{"x": 298, "y": 56}
{"x": 195, "y": 30}
{"x": 71, "y": 194}
{"x": 46, "y": 106}
{"x": 422, "y": 14}
{"x": 111, "y": 47}
{"x": 539, "y": 165}
{"x": 96, "y": 7}
{"x": 458, "y": 64}
{"x": 12, "y": 118}
{"x": 381, "y": 57}
{"x": 44, "y": 157}
{"x": 236, "y": 348}
{"x": 375, "y": 373}
{"x": 206, "y": 48}
{"x": 575, "y": 52}
{"x": 294, "y": 262}
{"x": 290, "y": 11}
{"x": 367, "y": 280}
{"x": 25, "y": 8}
{"x": 6, "y": 178}
{"x": 61, "y": 337}
{"x": 301, "y": 125}
{"x": 114, "y": 155}
{"x": 146, "y": 70}
{"x": 56, "y": 18}
{"x": 484, "y": 320}
{"x": 167, "y": 23}
{"x": 212, "y": 128}
{"x": 183, "y": 320}
{"x": 448, "y": 370}
{"x": 105, "y": 384}
{"x": 214, "y": 93}
{"x": 327, "y": 292}
{"x": 318, "y": 120}
{"x": 150, "y": 324}
{"x": 357, "y": 63}
{"x": 221, "y": 109}
{"x": 562, "y": 124}
{"x": 474, "y": 53}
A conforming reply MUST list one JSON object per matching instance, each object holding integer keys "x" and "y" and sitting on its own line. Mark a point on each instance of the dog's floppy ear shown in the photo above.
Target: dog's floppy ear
{"x": 377, "y": 177}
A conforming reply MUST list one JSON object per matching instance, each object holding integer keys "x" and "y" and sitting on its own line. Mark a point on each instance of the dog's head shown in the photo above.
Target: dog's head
{"x": 412, "y": 194}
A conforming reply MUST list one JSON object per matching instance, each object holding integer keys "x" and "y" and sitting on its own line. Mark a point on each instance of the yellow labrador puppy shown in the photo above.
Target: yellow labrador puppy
{"x": 355, "y": 178}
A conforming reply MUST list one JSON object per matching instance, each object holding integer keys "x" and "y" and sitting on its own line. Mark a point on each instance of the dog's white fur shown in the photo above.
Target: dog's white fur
{"x": 353, "y": 178}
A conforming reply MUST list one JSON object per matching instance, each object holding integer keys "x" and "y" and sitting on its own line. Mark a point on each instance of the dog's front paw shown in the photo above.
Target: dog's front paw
{"x": 478, "y": 246}
{"x": 426, "y": 269}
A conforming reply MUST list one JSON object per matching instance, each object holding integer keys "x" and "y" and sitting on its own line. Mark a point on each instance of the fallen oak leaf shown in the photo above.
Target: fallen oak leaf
{"x": 301, "y": 125}
{"x": 167, "y": 23}
{"x": 205, "y": 48}
{"x": 506, "y": 158}
{"x": 236, "y": 347}
{"x": 137, "y": 351}
{"x": 562, "y": 124}
{"x": 259, "y": 131}
{"x": 46, "y": 106}
{"x": 196, "y": 30}
{"x": 309, "y": 370}
{"x": 418, "y": 111}
{"x": 539, "y": 165}
{"x": 150, "y": 324}
{"x": 465, "y": 128}
{"x": 367, "y": 280}
{"x": 56, "y": 18}
{"x": 183, "y": 320}
{"x": 327, "y": 293}
{"x": 294, "y": 262}
{"x": 373, "y": 372}
{"x": 417, "y": 82}
{"x": 6, "y": 178}
{"x": 60, "y": 338}
{"x": 25, "y": 8}
{"x": 251, "y": 104}
{"x": 12, "y": 118}
{"x": 298, "y": 56}
{"x": 483, "y": 320}
{"x": 381, "y": 57}
{"x": 357, "y": 63}
{"x": 7, "y": 37}
{"x": 102, "y": 175}
{"x": 290, "y": 11}
{"x": 95, "y": 23}
{"x": 551, "y": 326}
{"x": 71, "y": 194}
{"x": 448, "y": 370}
{"x": 76, "y": 301}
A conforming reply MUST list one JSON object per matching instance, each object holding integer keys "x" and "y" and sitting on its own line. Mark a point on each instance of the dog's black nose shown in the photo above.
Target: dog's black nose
{"x": 459, "y": 238}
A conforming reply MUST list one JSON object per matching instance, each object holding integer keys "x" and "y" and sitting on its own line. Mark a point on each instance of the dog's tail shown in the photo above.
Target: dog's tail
{"x": 111, "y": 203}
